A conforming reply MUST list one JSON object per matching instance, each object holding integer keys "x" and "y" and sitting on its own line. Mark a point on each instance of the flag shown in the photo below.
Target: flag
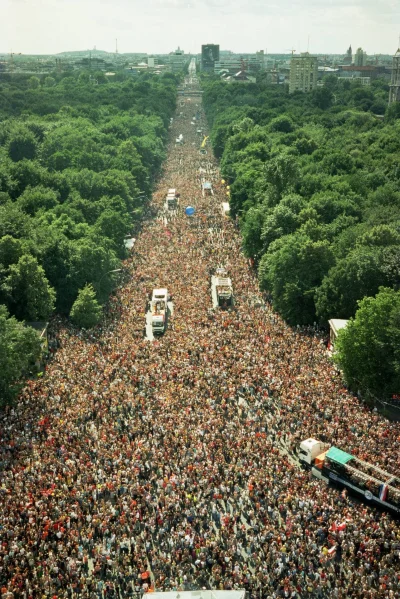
{"x": 342, "y": 526}
{"x": 383, "y": 491}
{"x": 332, "y": 550}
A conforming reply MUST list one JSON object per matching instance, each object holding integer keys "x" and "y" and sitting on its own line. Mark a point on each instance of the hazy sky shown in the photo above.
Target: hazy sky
{"x": 51, "y": 26}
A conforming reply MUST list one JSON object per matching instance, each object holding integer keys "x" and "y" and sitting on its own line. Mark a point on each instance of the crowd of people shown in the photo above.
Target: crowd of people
{"x": 134, "y": 466}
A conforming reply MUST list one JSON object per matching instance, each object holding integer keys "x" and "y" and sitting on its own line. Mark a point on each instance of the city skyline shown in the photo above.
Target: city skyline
{"x": 54, "y": 26}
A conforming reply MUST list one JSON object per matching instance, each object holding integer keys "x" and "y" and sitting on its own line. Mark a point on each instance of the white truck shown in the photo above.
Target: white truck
{"x": 333, "y": 465}
{"x": 221, "y": 289}
{"x": 159, "y": 310}
{"x": 172, "y": 199}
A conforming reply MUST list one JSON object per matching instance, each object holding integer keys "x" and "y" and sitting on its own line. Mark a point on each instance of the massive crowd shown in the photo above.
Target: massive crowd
{"x": 169, "y": 465}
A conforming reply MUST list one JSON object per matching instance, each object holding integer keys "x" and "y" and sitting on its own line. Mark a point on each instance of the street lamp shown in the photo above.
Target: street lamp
{"x": 108, "y": 273}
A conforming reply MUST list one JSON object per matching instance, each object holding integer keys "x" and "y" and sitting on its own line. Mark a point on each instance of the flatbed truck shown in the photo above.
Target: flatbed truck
{"x": 368, "y": 481}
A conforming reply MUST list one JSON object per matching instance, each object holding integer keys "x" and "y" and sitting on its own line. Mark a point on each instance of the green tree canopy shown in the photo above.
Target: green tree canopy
{"x": 30, "y": 295}
{"x": 291, "y": 270}
{"x": 36, "y": 198}
{"x": 86, "y": 311}
{"x": 19, "y": 347}
{"x": 368, "y": 349}
{"x": 22, "y": 145}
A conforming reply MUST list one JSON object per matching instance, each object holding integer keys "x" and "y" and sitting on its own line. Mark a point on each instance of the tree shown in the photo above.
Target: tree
{"x": 19, "y": 347}
{"x": 22, "y": 145}
{"x": 251, "y": 232}
{"x": 283, "y": 124}
{"x": 291, "y": 270}
{"x": 26, "y": 286}
{"x": 49, "y": 81}
{"x": 281, "y": 221}
{"x": 34, "y": 82}
{"x": 89, "y": 261}
{"x": 322, "y": 97}
{"x": 368, "y": 349}
{"x": 35, "y": 198}
{"x": 86, "y": 311}
{"x": 115, "y": 226}
{"x": 13, "y": 221}
{"x": 11, "y": 250}
{"x": 282, "y": 172}
{"x": 373, "y": 263}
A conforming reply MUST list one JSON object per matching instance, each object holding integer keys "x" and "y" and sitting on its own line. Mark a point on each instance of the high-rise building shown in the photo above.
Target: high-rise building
{"x": 348, "y": 57}
{"x": 177, "y": 60}
{"x": 260, "y": 58}
{"x": 303, "y": 73}
{"x": 394, "y": 87}
{"x": 360, "y": 58}
{"x": 209, "y": 56}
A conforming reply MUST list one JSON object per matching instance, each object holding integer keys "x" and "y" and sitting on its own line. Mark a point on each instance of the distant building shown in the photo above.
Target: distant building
{"x": 363, "y": 81}
{"x": 394, "y": 88}
{"x": 360, "y": 58}
{"x": 372, "y": 71}
{"x": 251, "y": 63}
{"x": 348, "y": 57}
{"x": 260, "y": 58}
{"x": 209, "y": 56}
{"x": 177, "y": 60}
{"x": 303, "y": 73}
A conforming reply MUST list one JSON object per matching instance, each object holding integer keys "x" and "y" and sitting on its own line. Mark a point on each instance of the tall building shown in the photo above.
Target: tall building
{"x": 303, "y": 73}
{"x": 260, "y": 58}
{"x": 360, "y": 58}
{"x": 177, "y": 60}
{"x": 394, "y": 87}
{"x": 348, "y": 57}
{"x": 209, "y": 56}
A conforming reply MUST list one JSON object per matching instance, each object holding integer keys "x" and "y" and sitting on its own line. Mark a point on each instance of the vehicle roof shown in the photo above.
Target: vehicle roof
{"x": 160, "y": 291}
{"x": 339, "y": 456}
{"x": 223, "y": 282}
{"x": 309, "y": 443}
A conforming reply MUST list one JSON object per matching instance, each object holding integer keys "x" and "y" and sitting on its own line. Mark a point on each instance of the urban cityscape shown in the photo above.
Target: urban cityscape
{"x": 200, "y": 320}
{"x": 301, "y": 72}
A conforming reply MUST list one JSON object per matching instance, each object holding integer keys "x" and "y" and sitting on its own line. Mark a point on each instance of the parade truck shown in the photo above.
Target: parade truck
{"x": 221, "y": 289}
{"x": 159, "y": 310}
{"x": 172, "y": 199}
{"x": 207, "y": 189}
{"x": 368, "y": 481}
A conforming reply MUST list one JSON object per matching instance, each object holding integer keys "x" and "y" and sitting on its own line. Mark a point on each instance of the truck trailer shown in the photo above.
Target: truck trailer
{"x": 172, "y": 199}
{"x": 159, "y": 310}
{"x": 221, "y": 289}
{"x": 338, "y": 467}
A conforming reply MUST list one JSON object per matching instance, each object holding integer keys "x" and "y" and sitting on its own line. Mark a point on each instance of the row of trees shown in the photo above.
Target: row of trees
{"x": 77, "y": 162}
{"x": 315, "y": 184}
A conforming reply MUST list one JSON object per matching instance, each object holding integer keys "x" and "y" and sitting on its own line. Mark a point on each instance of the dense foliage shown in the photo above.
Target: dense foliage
{"x": 19, "y": 349}
{"x": 315, "y": 184}
{"x": 86, "y": 311}
{"x": 368, "y": 349}
{"x": 78, "y": 156}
